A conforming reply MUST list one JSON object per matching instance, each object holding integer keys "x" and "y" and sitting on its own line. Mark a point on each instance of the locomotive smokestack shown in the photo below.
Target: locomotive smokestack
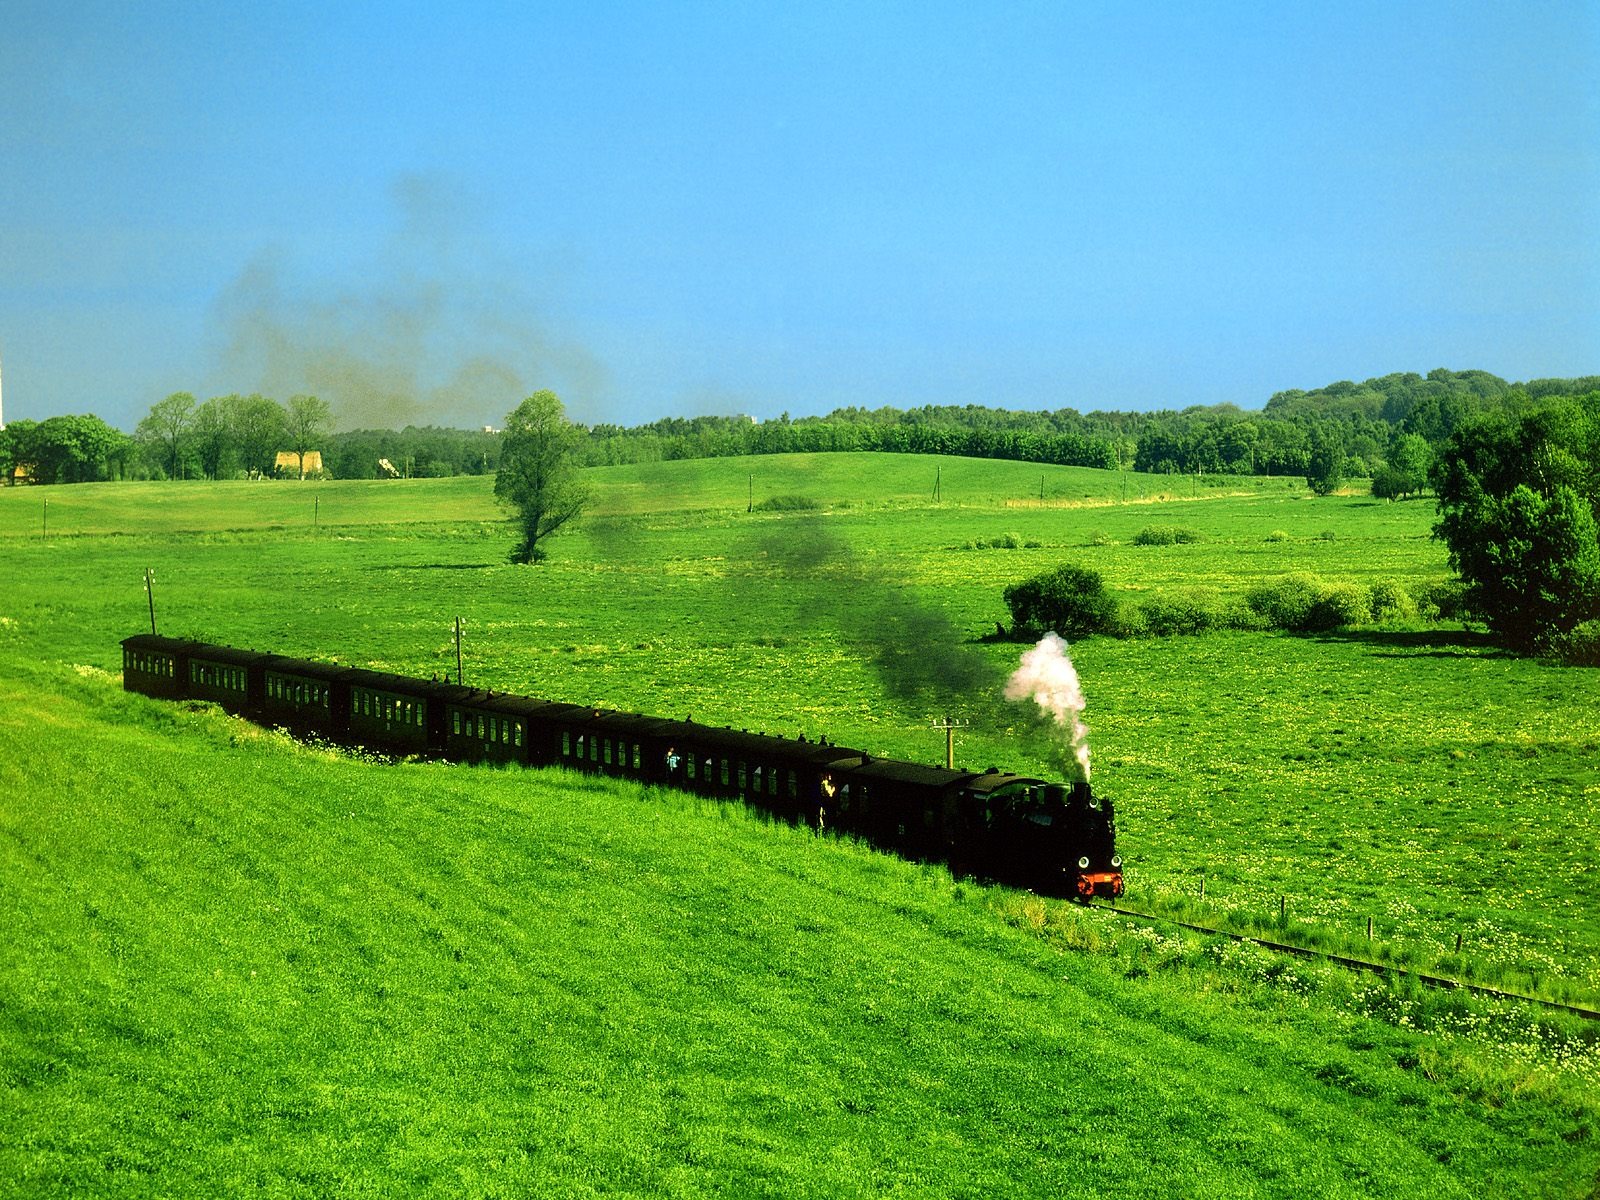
{"x": 1048, "y": 677}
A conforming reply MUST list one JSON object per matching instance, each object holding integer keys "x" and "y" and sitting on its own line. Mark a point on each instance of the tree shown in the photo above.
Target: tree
{"x": 260, "y": 426}
{"x": 307, "y": 420}
{"x": 67, "y": 449}
{"x": 166, "y": 429}
{"x": 212, "y": 432}
{"x": 1325, "y": 463}
{"x": 1406, "y": 471}
{"x": 538, "y": 476}
{"x": 1518, "y": 493}
{"x": 1068, "y": 600}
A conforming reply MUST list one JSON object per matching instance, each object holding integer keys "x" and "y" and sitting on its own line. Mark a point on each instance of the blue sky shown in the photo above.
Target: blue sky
{"x": 423, "y": 215}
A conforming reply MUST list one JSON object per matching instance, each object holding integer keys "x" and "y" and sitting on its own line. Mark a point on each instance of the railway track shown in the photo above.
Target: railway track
{"x": 1359, "y": 964}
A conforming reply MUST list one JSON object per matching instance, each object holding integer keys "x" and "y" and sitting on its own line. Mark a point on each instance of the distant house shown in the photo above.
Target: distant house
{"x": 289, "y": 461}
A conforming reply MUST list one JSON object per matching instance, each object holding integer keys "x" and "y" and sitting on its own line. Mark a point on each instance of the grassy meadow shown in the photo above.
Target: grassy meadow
{"x": 268, "y": 967}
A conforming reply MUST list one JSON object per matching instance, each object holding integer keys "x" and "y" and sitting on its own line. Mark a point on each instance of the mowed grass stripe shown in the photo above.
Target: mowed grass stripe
{"x": 235, "y": 964}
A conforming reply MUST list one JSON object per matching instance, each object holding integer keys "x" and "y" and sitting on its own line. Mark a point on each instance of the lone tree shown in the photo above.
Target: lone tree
{"x": 1068, "y": 599}
{"x": 1518, "y": 496}
{"x": 306, "y": 420}
{"x": 537, "y": 476}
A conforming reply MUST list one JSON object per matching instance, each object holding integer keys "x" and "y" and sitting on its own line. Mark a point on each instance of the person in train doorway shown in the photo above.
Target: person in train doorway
{"x": 825, "y": 794}
{"x": 674, "y": 761}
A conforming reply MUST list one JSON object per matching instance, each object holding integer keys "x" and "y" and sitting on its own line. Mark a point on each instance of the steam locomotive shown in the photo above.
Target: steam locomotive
{"x": 1029, "y": 832}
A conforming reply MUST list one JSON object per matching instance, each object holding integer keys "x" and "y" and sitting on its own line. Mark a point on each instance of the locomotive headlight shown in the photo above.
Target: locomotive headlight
{"x": 1116, "y": 860}
{"x": 1083, "y": 863}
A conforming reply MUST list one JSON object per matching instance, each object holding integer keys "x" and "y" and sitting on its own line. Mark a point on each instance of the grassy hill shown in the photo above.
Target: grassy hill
{"x": 233, "y": 963}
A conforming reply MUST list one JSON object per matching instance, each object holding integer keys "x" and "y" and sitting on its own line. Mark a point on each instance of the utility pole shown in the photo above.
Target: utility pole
{"x": 950, "y": 725}
{"x": 150, "y": 591}
{"x": 458, "y": 651}
{"x": 938, "y": 478}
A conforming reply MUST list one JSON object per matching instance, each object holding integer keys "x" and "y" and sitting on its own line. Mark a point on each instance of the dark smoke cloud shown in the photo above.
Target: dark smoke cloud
{"x": 920, "y": 655}
{"x": 432, "y": 332}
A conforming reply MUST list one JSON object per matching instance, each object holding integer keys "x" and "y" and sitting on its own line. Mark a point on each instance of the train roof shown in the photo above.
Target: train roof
{"x": 157, "y": 642}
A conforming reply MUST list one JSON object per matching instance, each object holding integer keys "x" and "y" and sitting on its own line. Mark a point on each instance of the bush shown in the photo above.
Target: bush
{"x": 1442, "y": 600}
{"x": 1068, "y": 600}
{"x": 1285, "y": 603}
{"x": 787, "y": 504}
{"x": 1340, "y": 604}
{"x": 1277, "y": 535}
{"x": 1166, "y": 535}
{"x": 1391, "y": 602}
{"x": 1579, "y": 646}
{"x": 1189, "y": 612}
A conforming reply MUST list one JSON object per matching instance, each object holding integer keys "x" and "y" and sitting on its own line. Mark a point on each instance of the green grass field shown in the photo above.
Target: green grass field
{"x": 263, "y": 967}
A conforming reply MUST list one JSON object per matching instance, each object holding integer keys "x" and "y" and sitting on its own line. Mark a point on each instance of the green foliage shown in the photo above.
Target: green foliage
{"x": 1305, "y": 604}
{"x": 1392, "y": 602}
{"x": 1069, "y": 600}
{"x": 1188, "y": 611}
{"x": 1004, "y": 541}
{"x": 537, "y": 478}
{"x": 1578, "y": 646}
{"x": 1517, "y": 500}
{"x": 1167, "y": 535}
{"x": 1325, "y": 461}
{"x": 66, "y": 449}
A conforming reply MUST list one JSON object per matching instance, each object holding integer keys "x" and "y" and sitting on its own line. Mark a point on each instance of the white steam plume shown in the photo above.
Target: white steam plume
{"x": 1049, "y": 678}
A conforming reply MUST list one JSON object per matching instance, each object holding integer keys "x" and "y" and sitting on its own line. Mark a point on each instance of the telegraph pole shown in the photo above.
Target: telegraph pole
{"x": 458, "y": 651}
{"x": 950, "y": 725}
{"x": 150, "y": 591}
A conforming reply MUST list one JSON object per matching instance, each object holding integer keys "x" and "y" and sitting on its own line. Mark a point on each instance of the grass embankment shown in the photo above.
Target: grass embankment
{"x": 235, "y": 964}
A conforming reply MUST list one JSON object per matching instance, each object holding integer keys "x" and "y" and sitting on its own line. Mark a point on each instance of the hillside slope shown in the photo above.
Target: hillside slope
{"x": 231, "y": 963}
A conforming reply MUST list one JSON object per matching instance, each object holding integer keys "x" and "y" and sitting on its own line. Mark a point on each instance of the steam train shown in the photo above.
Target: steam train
{"x": 1056, "y": 839}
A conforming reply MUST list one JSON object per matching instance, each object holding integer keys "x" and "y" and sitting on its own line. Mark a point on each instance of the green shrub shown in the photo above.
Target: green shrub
{"x": 1340, "y": 604}
{"x": 1193, "y": 611}
{"x": 787, "y": 504}
{"x": 1069, "y": 600}
{"x": 1277, "y": 535}
{"x": 1442, "y": 600}
{"x": 1579, "y": 646}
{"x": 1166, "y": 535}
{"x": 1285, "y": 603}
{"x": 1391, "y": 602}
{"x": 1327, "y": 535}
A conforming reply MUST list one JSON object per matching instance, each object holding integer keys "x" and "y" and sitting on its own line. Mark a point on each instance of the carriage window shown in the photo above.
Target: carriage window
{"x": 741, "y": 777}
{"x": 455, "y": 721}
{"x": 724, "y": 772}
{"x": 516, "y": 734}
{"x": 794, "y": 787}
{"x": 505, "y": 732}
{"x": 689, "y": 764}
{"x": 566, "y": 743}
{"x": 638, "y": 756}
{"x": 608, "y": 752}
{"x": 772, "y": 782}
{"x": 594, "y": 749}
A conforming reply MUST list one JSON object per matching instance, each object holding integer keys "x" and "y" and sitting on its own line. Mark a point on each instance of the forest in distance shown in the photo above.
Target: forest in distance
{"x": 1343, "y": 430}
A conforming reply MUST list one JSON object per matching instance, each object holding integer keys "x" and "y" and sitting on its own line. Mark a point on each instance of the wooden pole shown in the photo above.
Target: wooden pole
{"x": 45, "y": 529}
{"x": 150, "y": 591}
{"x": 458, "y": 651}
{"x": 316, "y": 513}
